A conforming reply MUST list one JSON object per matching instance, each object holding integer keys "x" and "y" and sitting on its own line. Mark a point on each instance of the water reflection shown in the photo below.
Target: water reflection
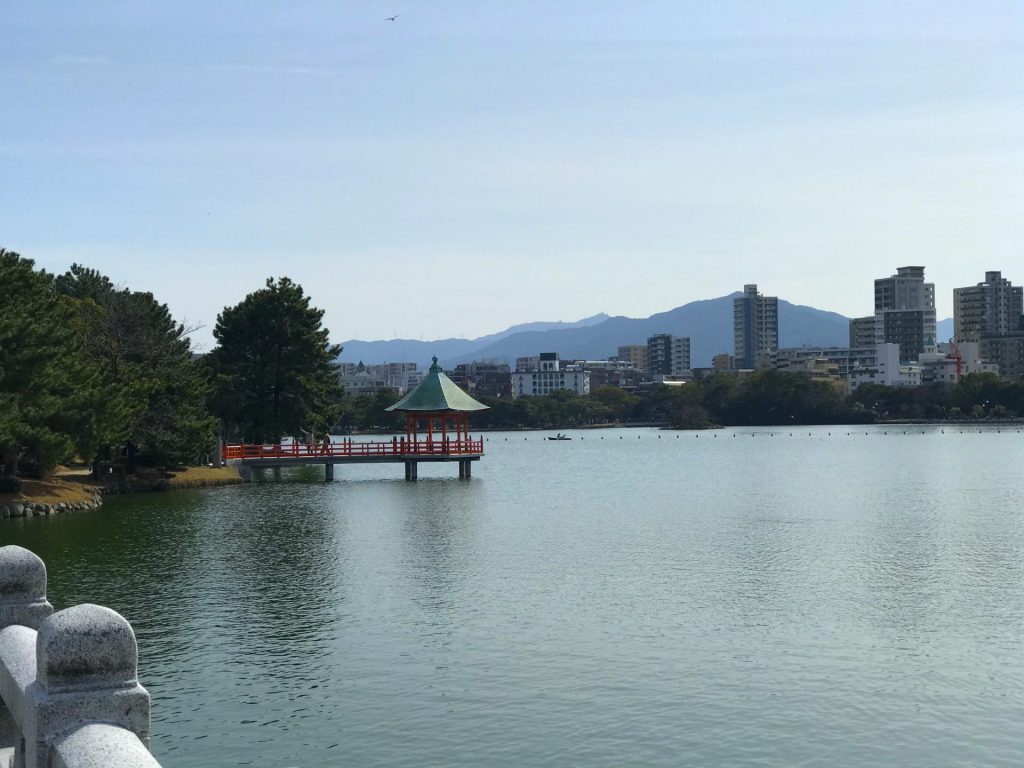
{"x": 808, "y": 600}
{"x": 438, "y": 518}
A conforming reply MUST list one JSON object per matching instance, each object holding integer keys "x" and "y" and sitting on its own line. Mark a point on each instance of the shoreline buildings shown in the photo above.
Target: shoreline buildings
{"x": 894, "y": 346}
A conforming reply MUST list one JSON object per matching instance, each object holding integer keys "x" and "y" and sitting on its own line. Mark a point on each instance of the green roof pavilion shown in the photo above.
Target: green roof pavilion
{"x": 438, "y": 397}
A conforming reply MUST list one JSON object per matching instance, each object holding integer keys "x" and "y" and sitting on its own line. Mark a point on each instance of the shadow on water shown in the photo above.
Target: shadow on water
{"x": 138, "y": 555}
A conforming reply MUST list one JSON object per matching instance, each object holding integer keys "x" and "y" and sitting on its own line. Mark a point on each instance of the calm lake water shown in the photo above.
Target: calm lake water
{"x": 634, "y": 597}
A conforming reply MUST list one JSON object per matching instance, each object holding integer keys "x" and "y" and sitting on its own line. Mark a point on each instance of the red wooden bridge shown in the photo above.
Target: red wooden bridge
{"x": 437, "y": 404}
{"x": 397, "y": 447}
{"x": 346, "y": 451}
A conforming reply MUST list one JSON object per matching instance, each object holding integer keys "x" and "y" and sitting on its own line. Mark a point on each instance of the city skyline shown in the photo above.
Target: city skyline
{"x": 556, "y": 162}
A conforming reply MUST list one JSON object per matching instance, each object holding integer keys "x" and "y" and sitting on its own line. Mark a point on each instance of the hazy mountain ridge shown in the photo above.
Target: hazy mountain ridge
{"x": 708, "y": 323}
{"x": 414, "y": 350}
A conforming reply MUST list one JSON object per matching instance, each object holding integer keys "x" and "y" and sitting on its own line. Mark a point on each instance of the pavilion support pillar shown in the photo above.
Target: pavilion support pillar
{"x": 411, "y": 472}
{"x": 469, "y": 468}
{"x": 329, "y": 472}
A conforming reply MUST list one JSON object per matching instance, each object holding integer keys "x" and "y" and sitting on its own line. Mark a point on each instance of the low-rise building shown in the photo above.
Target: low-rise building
{"x": 390, "y": 375}
{"x": 609, "y": 373}
{"x": 550, "y": 376}
{"x": 944, "y": 367}
{"x": 884, "y": 369}
{"x": 1006, "y": 352}
{"x": 844, "y": 358}
{"x": 363, "y": 381}
{"x": 484, "y": 378}
{"x": 525, "y": 364}
{"x": 635, "y": 354}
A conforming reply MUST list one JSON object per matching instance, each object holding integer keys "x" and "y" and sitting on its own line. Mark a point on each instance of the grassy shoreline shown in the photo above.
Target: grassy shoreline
{"x": 74, "y": 488}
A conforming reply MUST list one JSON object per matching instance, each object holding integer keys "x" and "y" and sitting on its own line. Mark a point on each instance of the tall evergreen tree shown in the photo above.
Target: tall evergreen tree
{"x": 155, "y": 393}
{"x": 276, "y": 371}
{"x": 49, "y": 391}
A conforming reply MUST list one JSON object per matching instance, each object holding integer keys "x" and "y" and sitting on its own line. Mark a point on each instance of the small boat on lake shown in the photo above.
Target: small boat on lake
{"x": 559, "y": 436}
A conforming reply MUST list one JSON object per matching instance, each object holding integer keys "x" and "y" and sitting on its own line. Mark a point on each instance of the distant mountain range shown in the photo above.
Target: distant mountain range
{"x": 412, "y": 351}
{"x": 708, "y": 323}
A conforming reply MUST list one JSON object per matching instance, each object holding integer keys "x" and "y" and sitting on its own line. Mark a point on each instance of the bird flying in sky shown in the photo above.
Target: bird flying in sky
{"x": 391, "y": 18}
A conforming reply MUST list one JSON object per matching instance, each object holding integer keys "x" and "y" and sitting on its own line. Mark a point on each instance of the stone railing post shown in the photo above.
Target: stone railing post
{"x": 86, "y": 660}
{"x": 23, "y": 603}
{"x": 22, "y": 588}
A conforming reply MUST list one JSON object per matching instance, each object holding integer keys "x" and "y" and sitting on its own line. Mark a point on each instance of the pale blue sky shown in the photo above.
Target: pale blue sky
{"x": 478, "y": 164}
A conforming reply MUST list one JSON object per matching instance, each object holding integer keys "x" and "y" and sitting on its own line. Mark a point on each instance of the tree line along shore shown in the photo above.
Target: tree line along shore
{"x": 98, "y": 373}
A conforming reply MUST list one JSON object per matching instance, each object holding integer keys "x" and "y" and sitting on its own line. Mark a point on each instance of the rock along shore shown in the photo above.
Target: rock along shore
{"x": 38, "y": 509}
{"x": 57, "y": 496}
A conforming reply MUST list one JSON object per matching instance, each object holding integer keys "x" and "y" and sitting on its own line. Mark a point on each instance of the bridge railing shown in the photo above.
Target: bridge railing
{"x": 69, "y": 696}
{"x": 347, "y": 448}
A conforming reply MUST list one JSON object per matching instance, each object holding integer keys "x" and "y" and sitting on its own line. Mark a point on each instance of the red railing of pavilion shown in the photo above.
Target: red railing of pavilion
{"x": 398, "y": 446}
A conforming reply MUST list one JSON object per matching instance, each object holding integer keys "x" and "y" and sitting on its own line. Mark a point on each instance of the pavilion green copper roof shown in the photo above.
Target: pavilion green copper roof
{"x": 437, "y": 393}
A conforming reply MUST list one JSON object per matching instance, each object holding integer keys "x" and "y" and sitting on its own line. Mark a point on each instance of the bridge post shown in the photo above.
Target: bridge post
{"x": 411, "y": 471}
{"x": 86, "y": 660}
{"x": 469, "y": 469}
{"x": 23, "y": 585}
{"x": 462, "y": 469}
{"x": 245, "y": 472}
{"x": 329, "y": 472}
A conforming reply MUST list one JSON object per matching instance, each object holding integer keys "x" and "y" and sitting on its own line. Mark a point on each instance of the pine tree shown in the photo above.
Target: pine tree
{"x": 155, "y": 393}
{"x": 276, "y": 371}
{"x": 49, "y": 390}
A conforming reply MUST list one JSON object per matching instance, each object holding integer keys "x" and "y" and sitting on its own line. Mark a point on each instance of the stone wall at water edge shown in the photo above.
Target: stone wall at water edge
{"x": 36, "y": 509}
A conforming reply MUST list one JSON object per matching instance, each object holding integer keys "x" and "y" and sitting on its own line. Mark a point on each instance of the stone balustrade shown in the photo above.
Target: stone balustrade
{"x": 69, "y": 697}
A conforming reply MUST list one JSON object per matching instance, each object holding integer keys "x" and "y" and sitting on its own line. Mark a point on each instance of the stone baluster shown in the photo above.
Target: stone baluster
{"x": 22, "y": 603}
{"x": 70, "y": 691}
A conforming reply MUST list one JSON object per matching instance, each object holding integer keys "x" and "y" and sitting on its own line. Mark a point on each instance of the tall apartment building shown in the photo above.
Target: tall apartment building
{"x": 905, "y": 312}
{"x": 635, "y": 354}
{"x": 862, "y": 332}
{"x": 755, "y": 326}
{"x": 668, "y": 355}
{"x": 992, "y": 308}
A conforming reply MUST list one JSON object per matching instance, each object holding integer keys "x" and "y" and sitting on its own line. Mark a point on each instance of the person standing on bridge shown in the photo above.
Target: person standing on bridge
{"x": 325, "y": 446}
